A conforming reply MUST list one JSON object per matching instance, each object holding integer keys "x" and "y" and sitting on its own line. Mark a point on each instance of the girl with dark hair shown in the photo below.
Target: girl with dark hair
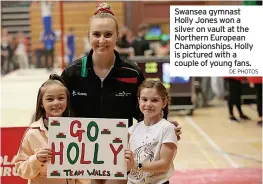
{"x": 152, "y": 141}
{"x": 30, "y": 163}
{"x": 56, "y": 82}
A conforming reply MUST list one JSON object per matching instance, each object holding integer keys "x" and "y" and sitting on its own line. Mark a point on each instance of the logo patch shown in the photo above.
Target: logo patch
{"x": 123, "y": 94}
{"x": 74, "y": 93}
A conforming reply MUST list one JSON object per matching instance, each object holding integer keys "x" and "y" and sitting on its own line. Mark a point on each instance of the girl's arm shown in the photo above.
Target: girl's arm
{"x": 82, "y": 181}
{"x": 167, "y": 153}
{"x": 27, "y": 165}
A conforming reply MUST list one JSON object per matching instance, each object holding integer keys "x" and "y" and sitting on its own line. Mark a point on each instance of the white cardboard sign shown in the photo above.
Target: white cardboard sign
{"x": 87, "y": 148}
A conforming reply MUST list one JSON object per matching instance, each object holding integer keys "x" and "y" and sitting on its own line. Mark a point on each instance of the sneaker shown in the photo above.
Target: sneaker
{"x": 244, "y": 117}
{"x": 233, "y": 119}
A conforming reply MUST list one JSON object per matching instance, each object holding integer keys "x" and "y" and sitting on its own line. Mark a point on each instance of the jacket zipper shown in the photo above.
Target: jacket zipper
{"x": 101, "y": 98}
{"x": 101, "y": 94}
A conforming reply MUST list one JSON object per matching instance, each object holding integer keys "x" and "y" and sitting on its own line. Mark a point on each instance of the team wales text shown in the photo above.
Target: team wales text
{"x": 93, "y": 172}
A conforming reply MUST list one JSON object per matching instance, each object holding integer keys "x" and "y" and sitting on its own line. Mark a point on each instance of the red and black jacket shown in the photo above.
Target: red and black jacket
{"x": 115, "y": 97}
{"x": 255, "y": 80}
{"x": 236, "y": 78}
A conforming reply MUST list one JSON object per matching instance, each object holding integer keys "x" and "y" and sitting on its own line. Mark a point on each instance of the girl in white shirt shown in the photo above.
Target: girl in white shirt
{"x": 152, "y": 141}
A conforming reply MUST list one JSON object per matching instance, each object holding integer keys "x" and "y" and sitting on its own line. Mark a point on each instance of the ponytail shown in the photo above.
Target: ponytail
{"x": 166, "y": 111}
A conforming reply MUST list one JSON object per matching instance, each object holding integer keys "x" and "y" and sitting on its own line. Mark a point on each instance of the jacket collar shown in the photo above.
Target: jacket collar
{"x": 90, "y": 64}
{"x": 40, "y": 125}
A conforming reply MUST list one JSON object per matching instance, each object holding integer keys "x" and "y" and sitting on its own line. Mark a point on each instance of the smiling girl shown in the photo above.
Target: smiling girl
{"x": 34, "y": 154}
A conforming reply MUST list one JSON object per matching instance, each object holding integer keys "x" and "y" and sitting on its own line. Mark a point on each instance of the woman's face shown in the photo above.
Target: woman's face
{"x": 103, "y": 35}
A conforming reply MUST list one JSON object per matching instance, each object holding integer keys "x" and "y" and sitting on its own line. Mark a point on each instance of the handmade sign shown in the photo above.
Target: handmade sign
{"x": 87, "y": 148}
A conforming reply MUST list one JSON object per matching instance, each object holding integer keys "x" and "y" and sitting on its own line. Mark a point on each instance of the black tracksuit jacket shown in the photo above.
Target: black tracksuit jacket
{"x": 115, "y": 97}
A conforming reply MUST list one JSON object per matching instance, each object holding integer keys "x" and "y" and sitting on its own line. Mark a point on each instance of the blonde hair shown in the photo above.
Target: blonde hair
{"x": 104, "y": 11}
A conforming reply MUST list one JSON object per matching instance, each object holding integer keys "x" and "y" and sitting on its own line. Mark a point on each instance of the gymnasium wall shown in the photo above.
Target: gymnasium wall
{"x": 158, "y": 12}
{"x": 76, "y": 14}
{"x": 130, "y": 13}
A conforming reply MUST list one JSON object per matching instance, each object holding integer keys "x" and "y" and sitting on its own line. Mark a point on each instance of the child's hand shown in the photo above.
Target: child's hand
{"x": 44, "y": 155}
{"x": 177, "y": 129}
{"x": 129, "y": 159}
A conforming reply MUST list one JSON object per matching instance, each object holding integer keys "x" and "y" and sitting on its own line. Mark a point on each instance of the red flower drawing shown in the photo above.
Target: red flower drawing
{"x": 121, "y": 123}
{"x": 55, "y": 123}
{"x": 119, "y": 174}
{"x": 54, "y": 173}
{"x": 60, "y": 135}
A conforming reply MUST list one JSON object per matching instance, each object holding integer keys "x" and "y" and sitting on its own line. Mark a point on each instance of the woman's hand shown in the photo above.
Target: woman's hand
{"x": 177, "y": 129}
{"x": 251, "y": 85}
{"x": 129, "y": 159}
{"x": 44, "y": 155}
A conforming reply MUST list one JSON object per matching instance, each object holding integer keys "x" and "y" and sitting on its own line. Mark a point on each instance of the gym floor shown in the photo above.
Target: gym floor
{"x": 214, "y": 150}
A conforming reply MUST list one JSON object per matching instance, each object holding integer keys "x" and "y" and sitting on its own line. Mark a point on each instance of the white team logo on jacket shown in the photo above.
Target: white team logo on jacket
{"x": 123, "y": 94}
{"x": 74, "y": 93}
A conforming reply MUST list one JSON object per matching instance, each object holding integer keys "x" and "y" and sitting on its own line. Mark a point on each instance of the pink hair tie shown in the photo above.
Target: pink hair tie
{"x": 104, "y": 10}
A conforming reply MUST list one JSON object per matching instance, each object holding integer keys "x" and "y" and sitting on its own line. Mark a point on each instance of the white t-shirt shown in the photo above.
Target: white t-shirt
{"x": 145, "y": 143}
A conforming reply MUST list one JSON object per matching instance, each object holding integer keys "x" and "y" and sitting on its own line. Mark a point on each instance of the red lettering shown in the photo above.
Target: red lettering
{"x": 54, "y": 153}
{"x": 82, "y": 161}
{"x": 115, "y": 153}
{"x": 78, "y": 133}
